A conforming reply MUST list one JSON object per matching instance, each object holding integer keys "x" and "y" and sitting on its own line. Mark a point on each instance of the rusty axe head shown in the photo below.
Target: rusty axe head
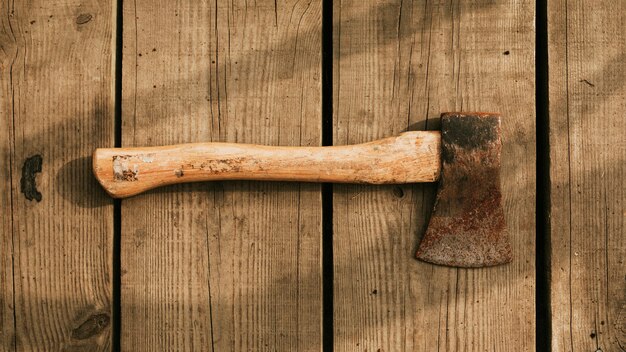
{"x": 467, "y": 227}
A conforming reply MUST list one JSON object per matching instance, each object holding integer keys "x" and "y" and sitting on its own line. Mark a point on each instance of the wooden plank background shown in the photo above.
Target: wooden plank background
{"x": 57, "y": 106}
{"x": 237, "y": 265}
{"x": 587, "y": 54}
{"x": 7, "y": 327}
{"x": 397, "y": 66}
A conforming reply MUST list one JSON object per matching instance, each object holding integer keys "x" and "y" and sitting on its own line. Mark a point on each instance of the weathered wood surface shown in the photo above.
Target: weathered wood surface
{"x": 236, "y": 265}
{"x": 587, "y": 62}
{"x": 397, "y": 66}
{"x": 223, "y": 266}
{"x": 56, "y": 106}
{"x": 7, "y": 340}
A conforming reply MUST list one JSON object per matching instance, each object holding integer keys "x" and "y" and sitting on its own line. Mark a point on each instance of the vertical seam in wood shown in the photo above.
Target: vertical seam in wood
{"x": 298, "y": 265}
{"x": 426, "y": 81}
{"x": 606, "y": 255}
{"x": 117, "y": 203}
{"x": 136, "y": 73}
{"x": 206, "y": 222}
{"x": 327, "y": 189}
{"x": 11, "y": 169}
{"x": 217, "y": 73}
{"x": 569, "y": 173}
{"x": 543, "y": 318}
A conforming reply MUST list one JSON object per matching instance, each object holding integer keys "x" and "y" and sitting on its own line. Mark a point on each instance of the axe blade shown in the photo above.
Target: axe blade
{"x": 467, "y": 227}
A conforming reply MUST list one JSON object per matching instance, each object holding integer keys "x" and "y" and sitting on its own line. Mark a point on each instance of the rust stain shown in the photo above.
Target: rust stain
{"x": 467, "y": 228}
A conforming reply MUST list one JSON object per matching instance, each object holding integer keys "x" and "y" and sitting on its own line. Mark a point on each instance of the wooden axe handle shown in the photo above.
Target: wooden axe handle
{"x": 407, "y": 158}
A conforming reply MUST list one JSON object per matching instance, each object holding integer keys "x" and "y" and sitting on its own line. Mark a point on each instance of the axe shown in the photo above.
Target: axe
{"x": 466, "y": 228}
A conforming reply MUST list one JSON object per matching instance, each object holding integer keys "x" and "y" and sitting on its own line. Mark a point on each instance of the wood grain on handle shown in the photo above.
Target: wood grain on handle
{"x": 407, "y": 158}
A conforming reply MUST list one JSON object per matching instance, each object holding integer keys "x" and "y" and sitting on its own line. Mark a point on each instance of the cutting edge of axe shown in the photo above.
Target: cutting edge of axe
{"x": 467, "y": 226}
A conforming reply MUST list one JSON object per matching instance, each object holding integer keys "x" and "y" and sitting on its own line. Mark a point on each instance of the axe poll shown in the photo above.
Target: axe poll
{"x": 467, "y": 226}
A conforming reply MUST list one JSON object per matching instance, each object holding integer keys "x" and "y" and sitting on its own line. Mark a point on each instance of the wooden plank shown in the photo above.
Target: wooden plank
{"x": 397, "y": 66}
{"x": 57, "y": 106}
{"x": 587, "y": 61}
{"x": 227, "y": 266}
{"x": 9, "y": 47}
